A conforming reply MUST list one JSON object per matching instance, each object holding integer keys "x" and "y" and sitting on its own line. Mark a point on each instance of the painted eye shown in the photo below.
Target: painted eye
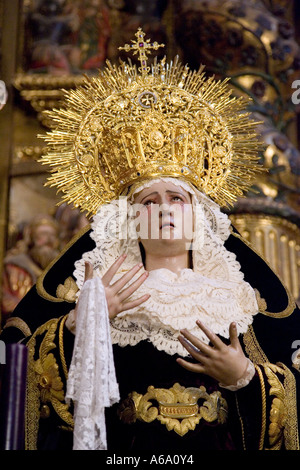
{"x": 148, "y": 203}
{"x": 177, "y": 198}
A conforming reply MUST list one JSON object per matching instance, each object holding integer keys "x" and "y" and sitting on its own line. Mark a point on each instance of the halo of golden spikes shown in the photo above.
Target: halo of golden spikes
{"x": 129, "y": 124}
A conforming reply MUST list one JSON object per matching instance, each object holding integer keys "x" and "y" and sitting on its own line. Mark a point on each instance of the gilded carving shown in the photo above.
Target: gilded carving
{"x": 177, "y": 408}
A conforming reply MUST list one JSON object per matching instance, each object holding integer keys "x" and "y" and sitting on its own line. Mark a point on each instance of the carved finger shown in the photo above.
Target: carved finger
{"x": 233, "y": 335}
{"x": 193, "y": 350}
{"x": 214, "y": 339}
{"x": 88, "y": 273}
{"x": 197, "y": 343}
{"x": 106, "y": 279}
{"x": 120, "y": 283}
{"x": 197, "y": 368}
{"x": 134, "y": 303}
{"x": 124, "y": 294}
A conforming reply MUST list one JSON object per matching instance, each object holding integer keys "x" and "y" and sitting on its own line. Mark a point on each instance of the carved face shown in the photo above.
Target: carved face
{"x": 164, "y": 218}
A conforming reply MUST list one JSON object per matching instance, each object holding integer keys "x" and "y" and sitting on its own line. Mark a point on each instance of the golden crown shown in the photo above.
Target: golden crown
{"x": 133, "y": 123}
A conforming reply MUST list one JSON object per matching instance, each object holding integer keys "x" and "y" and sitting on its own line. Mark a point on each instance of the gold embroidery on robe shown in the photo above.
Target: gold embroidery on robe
{"x": 262, "y": 304}
{"x": 257, "y": 356}
{"x": 17, "y": 322}
{"x": 68, "y": 290}
{"x": 278, "y": 412}
{"x": 291, "y": 434}
{"x": 44, "y": 384}
{"x": 282, "y": 422}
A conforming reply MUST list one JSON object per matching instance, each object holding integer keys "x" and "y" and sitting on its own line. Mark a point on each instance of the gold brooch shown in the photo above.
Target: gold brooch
{"x": 177, "y": 408}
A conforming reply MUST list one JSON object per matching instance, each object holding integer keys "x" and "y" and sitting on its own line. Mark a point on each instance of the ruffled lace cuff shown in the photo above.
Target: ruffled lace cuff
{"x": 244, "y": 380}
{"x": 92, "y": 381}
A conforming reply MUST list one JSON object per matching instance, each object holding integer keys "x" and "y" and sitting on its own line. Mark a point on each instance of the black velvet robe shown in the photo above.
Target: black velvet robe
{"x": 253, "y": 421}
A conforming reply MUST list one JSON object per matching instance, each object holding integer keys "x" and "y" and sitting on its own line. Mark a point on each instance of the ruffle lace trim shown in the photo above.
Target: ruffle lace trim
{"x": 176, "y": 302}
{"x": 244, "y": 380}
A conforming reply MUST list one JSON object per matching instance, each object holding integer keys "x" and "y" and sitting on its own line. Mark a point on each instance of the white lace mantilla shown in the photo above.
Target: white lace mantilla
{"x": 214, "y": 292}
{"x": 92, "y": 381}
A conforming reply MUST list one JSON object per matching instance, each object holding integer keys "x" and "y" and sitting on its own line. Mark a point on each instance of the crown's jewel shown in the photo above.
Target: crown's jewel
{"x": 127, "y": 125}
{"x": 143, "y": 48}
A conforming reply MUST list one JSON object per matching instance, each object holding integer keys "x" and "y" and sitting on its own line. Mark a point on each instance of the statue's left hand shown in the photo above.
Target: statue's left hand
{"x": 225, "y": 363}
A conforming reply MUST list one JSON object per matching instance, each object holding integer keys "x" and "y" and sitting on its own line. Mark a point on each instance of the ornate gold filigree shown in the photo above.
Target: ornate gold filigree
{"x": 49, "y": 381}
{"x": 262, "y": 304}
{"x": 47, "y": 375}
{"x": 68, "y": 290}
{"x": 124, "y": 126}
{"x": 253, "y": 348}
{"x": 44, "y": 384}
{"x": 177, "y": 409}
{"x": 278, "y": 412}
{"x": 291, "y": 434}
{"x": 19, "y": 323}
{"x": 283, "y": 422}
{"x": 141, "y": 47}
{"x": 277, "y": 421}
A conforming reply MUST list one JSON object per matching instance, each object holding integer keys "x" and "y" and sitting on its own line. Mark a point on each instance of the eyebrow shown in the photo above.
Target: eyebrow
{"x": 168, "y": 191}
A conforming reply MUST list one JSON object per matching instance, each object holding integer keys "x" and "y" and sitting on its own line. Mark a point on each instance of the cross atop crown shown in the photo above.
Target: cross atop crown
{"x": 143, "y": 48}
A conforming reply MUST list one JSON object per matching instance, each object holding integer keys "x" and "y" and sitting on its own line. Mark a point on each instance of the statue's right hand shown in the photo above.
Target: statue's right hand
{"x": 115, "y": 296}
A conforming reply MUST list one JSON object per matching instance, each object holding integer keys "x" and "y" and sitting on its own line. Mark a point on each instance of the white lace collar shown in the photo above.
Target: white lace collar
{"x": 176, "y": 302}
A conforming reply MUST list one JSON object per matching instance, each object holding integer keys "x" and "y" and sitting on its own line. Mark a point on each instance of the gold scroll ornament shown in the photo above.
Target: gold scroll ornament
{"x": 177, "y": 408}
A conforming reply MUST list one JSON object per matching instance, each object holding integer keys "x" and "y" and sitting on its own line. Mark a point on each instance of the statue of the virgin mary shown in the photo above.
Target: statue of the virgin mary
{"x": 158, "y": 327}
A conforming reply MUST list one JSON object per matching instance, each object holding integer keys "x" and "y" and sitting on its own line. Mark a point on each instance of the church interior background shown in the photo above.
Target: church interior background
{"x": 49, "y": 45}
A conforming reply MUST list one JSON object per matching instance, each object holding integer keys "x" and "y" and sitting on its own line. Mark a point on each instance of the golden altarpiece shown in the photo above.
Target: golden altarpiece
{"x": 47, "y": 46}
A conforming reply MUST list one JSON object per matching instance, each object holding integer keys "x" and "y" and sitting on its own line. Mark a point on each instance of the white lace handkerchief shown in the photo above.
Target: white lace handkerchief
{"x": 92, "y": 383}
